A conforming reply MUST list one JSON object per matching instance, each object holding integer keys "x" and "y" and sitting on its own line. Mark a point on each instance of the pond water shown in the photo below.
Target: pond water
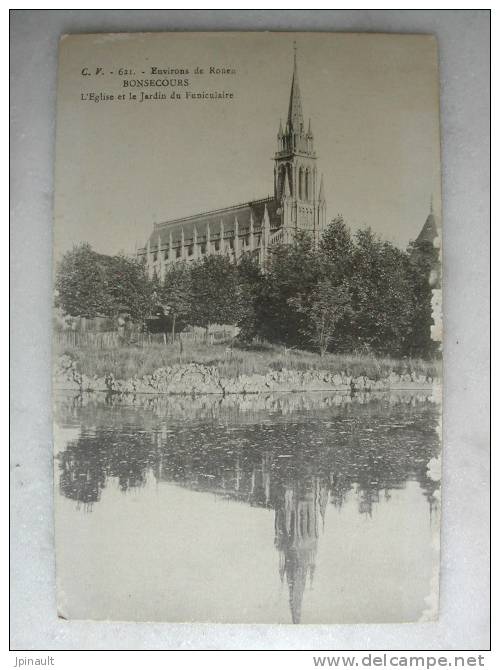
{"x": 293, "y": 508}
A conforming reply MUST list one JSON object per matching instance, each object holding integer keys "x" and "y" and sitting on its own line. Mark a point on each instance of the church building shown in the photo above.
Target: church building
{"x": 298, "y": 203}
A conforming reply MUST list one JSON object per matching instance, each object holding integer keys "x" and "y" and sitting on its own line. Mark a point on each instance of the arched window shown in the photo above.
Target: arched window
{"x": 301, "y": 184}
{"x": 308, "y": 185}
{"x": 282, "y": 177}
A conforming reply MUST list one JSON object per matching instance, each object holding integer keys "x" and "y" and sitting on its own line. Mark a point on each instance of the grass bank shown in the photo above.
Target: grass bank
{"x": 129, "y": 362}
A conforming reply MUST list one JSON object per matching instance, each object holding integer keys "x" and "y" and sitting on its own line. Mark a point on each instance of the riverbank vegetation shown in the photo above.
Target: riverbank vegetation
{"x": 232, "y": 362}
{"x": 359, "y": 302}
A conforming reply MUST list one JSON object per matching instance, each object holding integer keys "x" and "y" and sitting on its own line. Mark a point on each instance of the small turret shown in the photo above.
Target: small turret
{"x": 208, "y": 246}
{"x": 236, "y": 238}
{"x": 149, "y": 258}
{"x": 321, "y": 195}
{"x": 221, "y": 246}
{"x": 266, "y": 222}
{"x": 429, "y": 231}
{"x": 195, "y": 242}
{"x": 161, "y": 264}
{"x": 251, "y": 240}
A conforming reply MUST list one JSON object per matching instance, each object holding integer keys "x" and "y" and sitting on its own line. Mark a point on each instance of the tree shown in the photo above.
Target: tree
{"x": 293, "y": 271}
{"x": 175, "y": 293}
{"x": 250, "y": 281}
{"x": 81, "y": 283}
{"x": 89, "y": 284}
{"x": 215, "y": 294}
{"x": 128, "y": 287}
{"x": 336, "y": 250}
{"x": 325, "y": 307}
{"x": 381, "y": 295}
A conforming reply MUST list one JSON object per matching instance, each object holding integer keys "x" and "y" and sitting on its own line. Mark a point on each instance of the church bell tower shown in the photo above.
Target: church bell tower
{"x": 299, "y": 195}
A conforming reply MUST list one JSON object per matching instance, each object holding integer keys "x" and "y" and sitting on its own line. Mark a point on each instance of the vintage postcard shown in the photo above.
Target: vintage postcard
{"x": 247, "y": 328}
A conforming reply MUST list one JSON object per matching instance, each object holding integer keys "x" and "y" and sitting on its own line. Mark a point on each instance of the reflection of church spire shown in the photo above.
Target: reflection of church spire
{"x": 296, "y": 538}
{"x": 323, "y": 502}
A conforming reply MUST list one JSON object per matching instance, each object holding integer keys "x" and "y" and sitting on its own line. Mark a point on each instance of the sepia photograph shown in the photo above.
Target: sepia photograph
{"x": 247, "y": 328}
{"x": 249, "y": 338}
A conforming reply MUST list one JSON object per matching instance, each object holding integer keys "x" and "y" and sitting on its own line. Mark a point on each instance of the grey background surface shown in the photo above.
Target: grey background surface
{"x": 463, "y": 37}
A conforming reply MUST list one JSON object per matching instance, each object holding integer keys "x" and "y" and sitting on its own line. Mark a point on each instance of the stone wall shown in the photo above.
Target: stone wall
{"x": 196, "y": 379}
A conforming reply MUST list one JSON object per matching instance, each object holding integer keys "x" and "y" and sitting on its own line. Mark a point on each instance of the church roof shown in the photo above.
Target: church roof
{"x": 429, "y": 231}
{"x": 424, "y": 247}
{"x": 227, "y": 215}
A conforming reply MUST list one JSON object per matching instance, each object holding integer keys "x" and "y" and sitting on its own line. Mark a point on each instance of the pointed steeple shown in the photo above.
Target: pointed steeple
{"x": 429, "y": 231}
{"x": 295, "y": 167}
{"x": 280, "y": 130}
{"x": 266, "y": 221}
{"x": 295, "y": 119}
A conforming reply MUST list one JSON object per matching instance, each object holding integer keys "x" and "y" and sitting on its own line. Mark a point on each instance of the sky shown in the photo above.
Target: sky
{"x": 123, "y": 165}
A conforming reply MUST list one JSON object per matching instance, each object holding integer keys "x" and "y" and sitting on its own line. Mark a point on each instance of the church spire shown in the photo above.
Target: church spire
{"x": 295, "y": 171}
{"x": 295, "y": 118}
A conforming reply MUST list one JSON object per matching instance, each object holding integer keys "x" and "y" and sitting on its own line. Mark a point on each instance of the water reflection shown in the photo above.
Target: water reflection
{"x": 293, "y": 454}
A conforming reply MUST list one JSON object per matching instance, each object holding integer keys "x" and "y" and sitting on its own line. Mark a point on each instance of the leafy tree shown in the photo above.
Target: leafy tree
{"x": 293, "y": 271}
{"x": 381, "y": 295}
{"x": 325, "y": 307}
{"x": 81, "y": 283}
{"x": 336, "y": 250}
{"x": 348, "y": 293}
{"x": 215, "y": 293}
{"x": 129, "y": 288}
{"x": 250, "y": 280}
{"x": 89, "y": 284}
{"x": 175, "y": 293}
